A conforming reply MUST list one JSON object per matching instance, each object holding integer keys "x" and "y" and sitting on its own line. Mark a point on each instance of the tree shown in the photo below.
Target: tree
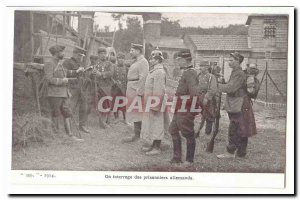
{"x": 170, "y": 28}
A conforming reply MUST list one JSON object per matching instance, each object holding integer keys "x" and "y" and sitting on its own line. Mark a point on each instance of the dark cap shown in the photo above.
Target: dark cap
{"x": 56, "y": 48}
{"x": 157, "y": 54}
{"x": 184, "y": 54}
{"x": 101, "y": 49}
{"x": 79, "y": 50}
{"x": 137, "y": 46}
{"x": 94, "y": 57}
{"x": 204, "y": 63}
{"x": 237, "y": 56}
{"x": 121, "y": 55}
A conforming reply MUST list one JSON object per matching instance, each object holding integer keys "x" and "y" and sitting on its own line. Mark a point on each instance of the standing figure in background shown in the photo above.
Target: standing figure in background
{"x": 77, "y": 89}
{"x": 208, "y": 90}
{"x": 136, "y": 78}
{"x": 57, "y": 91}
{"x": 183, "y": 121}
{"x": 103, "y": 73}
{"x": 154, "y": 120}
{"x": 239, "y": 108}
{"x": 120, "y": 82}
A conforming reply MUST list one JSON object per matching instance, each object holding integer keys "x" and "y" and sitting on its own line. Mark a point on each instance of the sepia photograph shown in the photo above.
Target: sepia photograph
{"x": 150, "y": 90}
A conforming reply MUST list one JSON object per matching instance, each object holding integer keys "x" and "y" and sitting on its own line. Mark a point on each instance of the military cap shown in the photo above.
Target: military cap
{"x": 93, "y": 57}
{"x": 102, "y": 49}
{"x": 56, "y": 48}
{"x": 237, "y": 56}
{"x": 112, "y": 59}
{"x": 184, "y": 54}
{"x": 121, "y": 55}
{"x": 79, "y": 50}
{"x": 157, "y": 54}
{"x": 137, "y": 46}
{"x": 204, "y": 63}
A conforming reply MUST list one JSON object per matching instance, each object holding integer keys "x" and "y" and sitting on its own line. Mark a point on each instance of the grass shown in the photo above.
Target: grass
{"x": 102, "y": 150}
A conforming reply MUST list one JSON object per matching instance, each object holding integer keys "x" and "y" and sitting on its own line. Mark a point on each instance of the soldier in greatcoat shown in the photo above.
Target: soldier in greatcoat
{"x": 238, "y": 105}
{"x": 103, "y": 73}
{"x": 184, "y": 121}
{"x": 120, "y": 82}
{"x": 58, "y": 92}
{"x": 155, "y": 121}
{"x": 208, "y": 91}
{"x": 77, "y": 89}
{"x": 136, "y": 78}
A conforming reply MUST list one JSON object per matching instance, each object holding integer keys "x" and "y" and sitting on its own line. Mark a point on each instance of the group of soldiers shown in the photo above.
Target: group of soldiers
{"x": 140, "y": 79}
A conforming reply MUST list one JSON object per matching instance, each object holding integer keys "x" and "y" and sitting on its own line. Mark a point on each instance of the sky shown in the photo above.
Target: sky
{"x": 203, "y": 20}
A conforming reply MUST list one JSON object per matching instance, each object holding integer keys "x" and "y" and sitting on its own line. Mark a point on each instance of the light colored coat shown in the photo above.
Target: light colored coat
{"x": 136, "y": 77}
{"x": 155, "y": 122}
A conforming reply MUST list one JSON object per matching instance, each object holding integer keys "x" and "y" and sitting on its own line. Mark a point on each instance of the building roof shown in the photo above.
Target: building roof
{"x": 250, "y": 17}
{"x": 169, "y": 42}
{"x": 220, "y": 42}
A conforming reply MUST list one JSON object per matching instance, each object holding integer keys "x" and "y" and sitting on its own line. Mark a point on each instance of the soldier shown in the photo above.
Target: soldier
{"x": 136, "y": 77}
{"x": 120, "y": 82}
{"x": 238, "y": 105}
{"x": 154, "y": 120}
{"x": 77, "y": 89}
{"x": 103, "y": 73}
{"x": 57, "y": 92}
{"x": 184, "y": 121}
{"x": 208, "y": 90}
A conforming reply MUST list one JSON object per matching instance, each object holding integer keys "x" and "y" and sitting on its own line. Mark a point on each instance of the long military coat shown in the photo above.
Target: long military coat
{"x": 136, "y": 77}
{"x": 237, "y": 101}
{"x": 155, "y": 122}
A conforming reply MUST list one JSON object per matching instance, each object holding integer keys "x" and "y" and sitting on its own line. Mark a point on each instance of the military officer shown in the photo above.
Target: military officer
{"x": 77, "y": 89}
{"x": 57, "y": 91}
{"x": 239, "y": 108}
{"x": 184, "y": 121}
{"x": 120, "y": 82}
{"x": 136, "y": 77}
{"x": 208, "y": 91}
{"x": 103, "y": 73}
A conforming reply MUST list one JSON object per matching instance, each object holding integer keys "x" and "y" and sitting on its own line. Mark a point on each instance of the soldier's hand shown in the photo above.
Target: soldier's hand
{"x": 80, "y": 69}
{"x": 65, "y": 81}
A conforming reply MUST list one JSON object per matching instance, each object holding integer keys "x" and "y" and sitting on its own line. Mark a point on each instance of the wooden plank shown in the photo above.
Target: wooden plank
{"x": 55, "y": 36}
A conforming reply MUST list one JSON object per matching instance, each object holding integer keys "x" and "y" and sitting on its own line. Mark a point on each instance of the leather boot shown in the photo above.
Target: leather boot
{"x": 156, "y": 148}
{"x": 67, "y": 124}
{"x": 176, "y": 151}
{"x": 137, "y": 133}
{"x": 208, "y": 127}
{"x": 55, "y": 124}
{"x": 190, "y": 149}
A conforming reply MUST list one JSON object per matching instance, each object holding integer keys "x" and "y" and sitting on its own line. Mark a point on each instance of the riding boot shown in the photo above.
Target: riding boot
{"x": 137, "y": 133}
{"x": 208, "y": 127}
{"x": 67, "y": 124}
{"x": 190, "y": 149}
{"x": 176, "y": 151}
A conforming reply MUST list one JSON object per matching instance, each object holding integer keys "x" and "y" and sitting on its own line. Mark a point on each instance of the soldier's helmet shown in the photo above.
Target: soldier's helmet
{"x": 157, "y": 54}
{"x": 237, "y": 56}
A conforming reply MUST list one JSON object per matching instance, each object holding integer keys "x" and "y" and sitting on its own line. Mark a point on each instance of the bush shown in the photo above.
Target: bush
{"x": 30, "y": 127}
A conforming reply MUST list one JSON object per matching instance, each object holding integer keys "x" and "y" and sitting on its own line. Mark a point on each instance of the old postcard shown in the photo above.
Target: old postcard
{"x": 152, "y": 99}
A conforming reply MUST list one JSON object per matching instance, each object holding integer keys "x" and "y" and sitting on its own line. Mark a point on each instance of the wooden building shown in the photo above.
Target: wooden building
{"x": 268, "y": 38}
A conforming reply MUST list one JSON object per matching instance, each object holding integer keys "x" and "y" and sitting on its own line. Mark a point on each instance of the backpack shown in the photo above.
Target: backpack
{"x": 252, "y": 82}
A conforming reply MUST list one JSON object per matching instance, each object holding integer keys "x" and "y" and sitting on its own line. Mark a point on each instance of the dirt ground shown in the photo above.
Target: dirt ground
{"x": 102, "y": 150}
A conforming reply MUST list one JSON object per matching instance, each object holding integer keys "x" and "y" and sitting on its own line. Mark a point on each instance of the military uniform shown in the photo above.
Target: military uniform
{"x": 78, "y": 90}
{"x": 57, "y": 89}
{"x": 208, "y": 90}
{"x": 184, "y": 121}
{"x": 239, "y": 108}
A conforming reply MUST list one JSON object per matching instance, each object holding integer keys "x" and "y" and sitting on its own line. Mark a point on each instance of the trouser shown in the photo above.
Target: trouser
{"x": 137, "y": 128}
{"x": 235, "y": 140}
{"x": 117, "y": 92}
{"x": 183, "y": 122}
{"x": 85, "y": 107}
{"x": 208, "y": 126}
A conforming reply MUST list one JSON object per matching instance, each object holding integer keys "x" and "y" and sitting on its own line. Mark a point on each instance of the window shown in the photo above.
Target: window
{"x": 269, "y": 28}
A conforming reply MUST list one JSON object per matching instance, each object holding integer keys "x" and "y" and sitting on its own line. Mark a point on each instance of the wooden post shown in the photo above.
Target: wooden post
{"x": 267, "y": 82}
{"x": 33, "y": 81}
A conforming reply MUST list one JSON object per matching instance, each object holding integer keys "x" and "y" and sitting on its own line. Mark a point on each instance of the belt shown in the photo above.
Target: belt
{"x": 136, "y": 79}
